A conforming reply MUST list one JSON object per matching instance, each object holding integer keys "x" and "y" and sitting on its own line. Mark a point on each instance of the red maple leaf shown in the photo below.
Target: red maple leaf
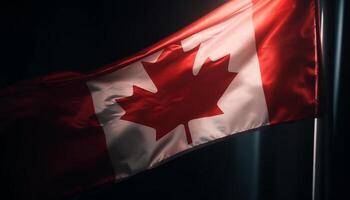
{"x": 180, "y": 95}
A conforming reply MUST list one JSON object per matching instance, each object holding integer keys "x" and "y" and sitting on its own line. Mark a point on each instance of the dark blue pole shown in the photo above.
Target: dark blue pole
{"x": 328, "y": 132}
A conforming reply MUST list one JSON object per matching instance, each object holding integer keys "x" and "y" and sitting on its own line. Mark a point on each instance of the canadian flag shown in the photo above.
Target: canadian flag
{"x": 247, "y": 64}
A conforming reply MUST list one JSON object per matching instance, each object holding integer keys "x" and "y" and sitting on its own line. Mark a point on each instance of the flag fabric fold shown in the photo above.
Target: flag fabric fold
{"x": 247, "y": 64}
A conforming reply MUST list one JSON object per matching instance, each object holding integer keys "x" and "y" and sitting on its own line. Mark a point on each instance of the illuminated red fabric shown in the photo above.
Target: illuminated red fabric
{"x": 285, "y": 40}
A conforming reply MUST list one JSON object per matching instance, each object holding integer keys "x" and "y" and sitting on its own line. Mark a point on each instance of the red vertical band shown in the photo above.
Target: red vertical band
{"x": 285, "y": 40}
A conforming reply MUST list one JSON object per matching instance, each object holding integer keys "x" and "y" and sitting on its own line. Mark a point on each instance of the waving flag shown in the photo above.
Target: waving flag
{"x": 248, "y": 64}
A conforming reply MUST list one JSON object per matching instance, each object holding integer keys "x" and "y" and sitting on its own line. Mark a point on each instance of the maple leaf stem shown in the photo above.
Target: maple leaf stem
{"x": 188, "y": 134}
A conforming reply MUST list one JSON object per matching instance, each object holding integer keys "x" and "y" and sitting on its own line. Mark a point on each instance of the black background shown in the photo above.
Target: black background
{"x": 39, "y": 38}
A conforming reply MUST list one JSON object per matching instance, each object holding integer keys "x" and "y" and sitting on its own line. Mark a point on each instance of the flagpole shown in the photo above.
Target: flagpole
{"x": 319, "y": 5}
{"x": 314, "y": 161}
{"x": 322, "y": 126}
{"x": 319, "y": 31}
{"x": 330, "y": 24}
